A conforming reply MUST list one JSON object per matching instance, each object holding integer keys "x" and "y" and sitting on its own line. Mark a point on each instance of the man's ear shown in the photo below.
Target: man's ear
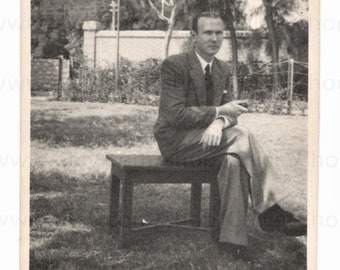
{"x": 193, "y": 35}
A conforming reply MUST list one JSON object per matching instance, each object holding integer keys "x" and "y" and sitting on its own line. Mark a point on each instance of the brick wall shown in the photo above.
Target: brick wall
{"x": 45, "y": 74}
{"x": 83, "y": 10}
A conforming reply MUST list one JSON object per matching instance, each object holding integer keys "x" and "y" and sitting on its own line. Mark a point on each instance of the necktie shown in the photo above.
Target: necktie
{"x": 209, "y": 87}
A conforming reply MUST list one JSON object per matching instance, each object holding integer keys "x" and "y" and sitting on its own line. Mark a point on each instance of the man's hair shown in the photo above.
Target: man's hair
{"x": 205, "y": 14}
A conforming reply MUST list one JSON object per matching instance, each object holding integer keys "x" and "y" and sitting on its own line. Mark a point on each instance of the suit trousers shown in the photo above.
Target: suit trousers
{"x": 244, "y": 171}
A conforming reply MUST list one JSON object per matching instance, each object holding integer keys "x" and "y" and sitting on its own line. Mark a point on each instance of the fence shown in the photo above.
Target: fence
{"x": 49, "y": 74}
{"x": 256, "y": 81}
{"x": 293, "y": 79}
{"x": 139, "y": 82}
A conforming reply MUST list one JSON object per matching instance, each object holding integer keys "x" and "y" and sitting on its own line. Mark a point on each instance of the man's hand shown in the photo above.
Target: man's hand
{"x": 233, "y": 108}
{"x": 213, "y": 134}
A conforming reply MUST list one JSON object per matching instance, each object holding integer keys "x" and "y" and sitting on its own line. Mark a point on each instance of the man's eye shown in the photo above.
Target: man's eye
{"x": 211, "y": 33}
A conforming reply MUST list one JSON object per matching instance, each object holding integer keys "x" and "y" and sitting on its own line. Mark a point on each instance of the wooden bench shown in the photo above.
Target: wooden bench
{"x": 127, "y": 170}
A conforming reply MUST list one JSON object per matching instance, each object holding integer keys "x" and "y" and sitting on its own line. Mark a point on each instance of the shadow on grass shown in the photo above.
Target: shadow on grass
{"x": 91, "y": 131}
{"x": 82, "y": 200}
{"x": 72, "y": 230}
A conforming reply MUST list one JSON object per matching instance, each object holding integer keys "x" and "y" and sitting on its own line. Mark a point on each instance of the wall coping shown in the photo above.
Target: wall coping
{"x": 161, "y": 34}
{"x": 48, "y": 60}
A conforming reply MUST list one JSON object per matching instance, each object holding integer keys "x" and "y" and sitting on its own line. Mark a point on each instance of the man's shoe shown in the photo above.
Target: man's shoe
{"x": 275, "y": 219}
{"x": 236, "y": 251}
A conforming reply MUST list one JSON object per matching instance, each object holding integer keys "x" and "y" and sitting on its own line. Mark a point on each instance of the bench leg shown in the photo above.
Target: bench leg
{"x": 195, "y": 204}
{"x": 114, "y": 200}
{"x": 214, "y": 211}
{"x": 125, "y": 213}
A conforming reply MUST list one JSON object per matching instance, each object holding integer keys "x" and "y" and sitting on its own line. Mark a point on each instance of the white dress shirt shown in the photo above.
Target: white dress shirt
{"x": 203, "y": 65}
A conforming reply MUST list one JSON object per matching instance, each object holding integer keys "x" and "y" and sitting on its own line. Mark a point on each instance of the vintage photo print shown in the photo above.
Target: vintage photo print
{"x": 169, "y": 134}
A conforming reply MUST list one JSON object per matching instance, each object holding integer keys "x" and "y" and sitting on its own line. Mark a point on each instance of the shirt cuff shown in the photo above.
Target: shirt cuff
{"x": 225, "y": 119}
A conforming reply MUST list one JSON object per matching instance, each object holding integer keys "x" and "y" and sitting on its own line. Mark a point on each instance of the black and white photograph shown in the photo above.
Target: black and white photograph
{"x": 172, "y": 134}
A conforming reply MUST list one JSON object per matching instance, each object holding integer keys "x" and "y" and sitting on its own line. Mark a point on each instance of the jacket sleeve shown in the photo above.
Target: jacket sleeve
{"x": 173, "y": 100}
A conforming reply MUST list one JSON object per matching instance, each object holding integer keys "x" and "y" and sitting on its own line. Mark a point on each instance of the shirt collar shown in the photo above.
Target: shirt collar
{"x": 203, "y": 62}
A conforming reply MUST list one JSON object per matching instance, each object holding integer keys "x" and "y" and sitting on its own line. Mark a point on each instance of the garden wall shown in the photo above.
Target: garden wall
{"x": 100, "y": 46}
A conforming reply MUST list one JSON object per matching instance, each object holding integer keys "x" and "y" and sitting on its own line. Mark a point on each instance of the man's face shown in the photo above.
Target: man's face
{"x": 209, "y": 37}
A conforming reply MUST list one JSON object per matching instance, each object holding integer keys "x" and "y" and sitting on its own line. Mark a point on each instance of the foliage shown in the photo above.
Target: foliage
{"x": 290, "y": 35}
{"x": 56, "y": 27}
{"x": 138, "y": 83}
{"x": 297, "y": 47}
{"x": 255, "y": 81}
{"x": 55, "y": 24}
{"x": 138, "y": 15}
{"x": 232, "y": 12}
{"x": 237, "y": 11}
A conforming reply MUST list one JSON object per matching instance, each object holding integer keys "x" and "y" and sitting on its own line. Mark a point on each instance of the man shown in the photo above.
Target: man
{"x": 198, "y": 120}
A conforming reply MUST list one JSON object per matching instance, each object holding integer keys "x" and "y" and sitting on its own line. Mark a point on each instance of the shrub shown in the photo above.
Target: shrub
{"x": 256, "y": 82}
{"x": 93, "y": 86}
{"x": 137, "y": 81}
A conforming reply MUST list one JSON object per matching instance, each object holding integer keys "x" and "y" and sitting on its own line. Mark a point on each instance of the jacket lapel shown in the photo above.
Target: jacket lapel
{"x": 197, "y": 75}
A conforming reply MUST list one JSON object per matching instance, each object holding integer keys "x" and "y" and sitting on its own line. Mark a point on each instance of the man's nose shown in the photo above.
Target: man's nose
{"x": 214, "y": 36}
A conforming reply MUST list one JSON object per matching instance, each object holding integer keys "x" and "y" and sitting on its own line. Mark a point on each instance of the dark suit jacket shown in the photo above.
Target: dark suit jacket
{"x": 183, "y": 98}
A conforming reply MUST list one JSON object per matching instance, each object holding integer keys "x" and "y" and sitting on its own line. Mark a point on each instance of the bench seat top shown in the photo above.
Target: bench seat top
{"x": 156, "y": 162}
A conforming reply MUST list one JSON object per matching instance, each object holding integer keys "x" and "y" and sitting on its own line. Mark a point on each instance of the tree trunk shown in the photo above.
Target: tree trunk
{"x": 229, "y": 18}
{"x": 171, "y": 26}
{"x": 171, "y": 20}
{"x": 269, "y": 17}
{"x": 294, "y": 52}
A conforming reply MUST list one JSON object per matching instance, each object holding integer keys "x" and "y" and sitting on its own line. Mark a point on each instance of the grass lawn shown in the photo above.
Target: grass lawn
{"x": 70, "y": 192}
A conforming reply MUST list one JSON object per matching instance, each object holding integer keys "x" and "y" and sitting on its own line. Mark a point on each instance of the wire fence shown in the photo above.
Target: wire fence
{"x": 256, "y": 80}
{"x": 139, "y": 82}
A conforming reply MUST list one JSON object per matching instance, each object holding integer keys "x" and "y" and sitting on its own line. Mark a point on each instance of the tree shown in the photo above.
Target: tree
{"x": 137, "y": 15}
{"x": 281, "y": 31}
{"x": 170, "y": 19}
{"x": 293, "y": 32}
{"x": 231, "y": 12}
{"x": 53, "y": 22}
{"x": 49, "y": 32}
{"x": 269, "y": 18}
{"x": 201, "y": 5}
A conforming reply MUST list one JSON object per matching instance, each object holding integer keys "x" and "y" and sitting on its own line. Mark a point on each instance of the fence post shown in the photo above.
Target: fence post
{"x": 290, "y": 84}
{"x": 60, "y": 74}
{"x": 117, "y": 48}
{"x": 71, "y": 67}
{"x": 113, "y": 10}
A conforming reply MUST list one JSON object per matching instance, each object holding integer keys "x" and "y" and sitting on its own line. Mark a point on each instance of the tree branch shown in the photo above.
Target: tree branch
{"x": 159, "y": 13}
